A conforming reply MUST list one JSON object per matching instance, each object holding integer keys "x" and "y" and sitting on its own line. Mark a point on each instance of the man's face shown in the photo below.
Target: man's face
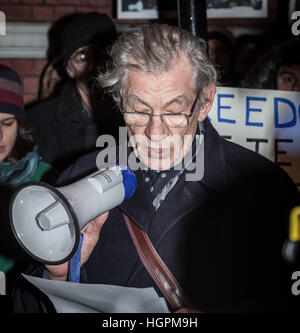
{"x": 158, "y": 146}
{"x": 288, "y": 77}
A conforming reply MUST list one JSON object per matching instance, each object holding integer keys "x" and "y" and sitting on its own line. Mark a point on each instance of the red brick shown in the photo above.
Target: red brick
{"x": 24, "y": 67}
{"x": 101, "y": 3}
{"x": 35, "y": 2}
{"x": 43, "y": 13}
{"x": 10, "y": 1}
{"x": 106, "y": 10}
{"x": 67, "y": 2}
{"x": 61, "y": 11}
{"x": 31, "y": 85}
{"x": 39, "y": 66}
{"x": 29, "y": 98}
{"x": 17, "y": 12}
{"x": 84, "y": 9}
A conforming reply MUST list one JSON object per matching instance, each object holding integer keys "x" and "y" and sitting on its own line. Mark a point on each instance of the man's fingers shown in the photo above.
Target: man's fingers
{"x": 96, "y": 224}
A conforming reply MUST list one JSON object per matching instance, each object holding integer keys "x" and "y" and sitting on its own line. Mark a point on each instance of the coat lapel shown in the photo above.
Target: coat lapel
{"x": 139, "y": 207}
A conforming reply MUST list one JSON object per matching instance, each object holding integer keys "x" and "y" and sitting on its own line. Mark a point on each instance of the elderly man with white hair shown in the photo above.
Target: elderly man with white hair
{"x": 215, "y": 212}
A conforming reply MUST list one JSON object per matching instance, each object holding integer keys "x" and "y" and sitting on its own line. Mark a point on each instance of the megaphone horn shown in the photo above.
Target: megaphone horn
{"x": 47, "y": 221}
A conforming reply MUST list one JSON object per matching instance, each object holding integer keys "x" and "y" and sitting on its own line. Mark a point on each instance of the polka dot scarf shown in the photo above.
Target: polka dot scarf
{"x": 160, "y": 183}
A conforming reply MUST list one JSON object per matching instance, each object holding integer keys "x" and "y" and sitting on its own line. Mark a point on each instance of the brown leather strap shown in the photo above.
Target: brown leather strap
{"x": 160, "y": 273}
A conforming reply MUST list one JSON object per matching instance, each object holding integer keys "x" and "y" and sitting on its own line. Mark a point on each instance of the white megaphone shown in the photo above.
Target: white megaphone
{"x": 47, "y": 221}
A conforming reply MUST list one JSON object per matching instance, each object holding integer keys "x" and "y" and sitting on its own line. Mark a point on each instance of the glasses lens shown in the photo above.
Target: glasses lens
{"x": 175, "y": 120}
{"x": 136, "y": 119}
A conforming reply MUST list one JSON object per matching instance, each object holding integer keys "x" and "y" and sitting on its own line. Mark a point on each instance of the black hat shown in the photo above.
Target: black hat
{"x": 218, "y": 35}
{"x": 86, "y": 29}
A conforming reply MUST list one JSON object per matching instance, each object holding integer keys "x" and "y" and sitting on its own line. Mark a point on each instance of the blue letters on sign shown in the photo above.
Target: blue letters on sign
{"x": 223, "y": 120}
{"x": 290, "y": 123}
{"x": 248, "y": 110}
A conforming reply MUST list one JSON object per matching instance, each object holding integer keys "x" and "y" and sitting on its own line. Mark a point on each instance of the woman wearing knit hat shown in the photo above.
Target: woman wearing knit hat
{"x": 19, "y": 158}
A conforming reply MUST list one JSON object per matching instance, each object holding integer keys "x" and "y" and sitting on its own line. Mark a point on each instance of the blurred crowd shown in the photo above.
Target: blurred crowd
{"x": 255, "y": 61}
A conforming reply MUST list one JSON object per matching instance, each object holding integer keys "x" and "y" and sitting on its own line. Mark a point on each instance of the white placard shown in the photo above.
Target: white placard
{"x": 266, "y": 121}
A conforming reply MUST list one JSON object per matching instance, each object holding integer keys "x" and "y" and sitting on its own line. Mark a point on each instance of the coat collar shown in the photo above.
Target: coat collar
{"x": 215, "y": 167}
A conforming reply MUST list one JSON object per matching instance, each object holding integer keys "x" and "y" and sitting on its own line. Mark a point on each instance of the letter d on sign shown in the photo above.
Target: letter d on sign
{"x": 2, "y": 284}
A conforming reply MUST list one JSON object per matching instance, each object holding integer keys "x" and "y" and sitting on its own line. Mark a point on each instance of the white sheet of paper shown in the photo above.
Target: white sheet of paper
{"x": 69, "y": 297}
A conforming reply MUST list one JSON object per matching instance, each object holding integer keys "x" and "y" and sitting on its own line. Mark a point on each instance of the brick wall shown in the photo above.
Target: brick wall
{"x": 30, "y": 70}
{"x": 50, "y": 10}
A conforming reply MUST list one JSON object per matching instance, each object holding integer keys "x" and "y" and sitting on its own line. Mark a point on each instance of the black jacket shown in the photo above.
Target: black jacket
{"x": 64, "y": 132}
{"x": 221, "y": 237}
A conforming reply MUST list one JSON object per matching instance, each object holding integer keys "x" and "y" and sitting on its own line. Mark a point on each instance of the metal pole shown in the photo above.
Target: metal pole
{"x": 192, "y": 17}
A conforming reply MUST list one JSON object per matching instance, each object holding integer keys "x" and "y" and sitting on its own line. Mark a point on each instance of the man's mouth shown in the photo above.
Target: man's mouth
{"x": 158, "y": 152}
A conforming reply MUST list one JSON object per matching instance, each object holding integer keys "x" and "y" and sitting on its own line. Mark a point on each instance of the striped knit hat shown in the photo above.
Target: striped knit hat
{"x": 11, "y": 93}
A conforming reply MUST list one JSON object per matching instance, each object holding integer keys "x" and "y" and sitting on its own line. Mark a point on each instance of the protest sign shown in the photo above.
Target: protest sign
{"x": 266, "y": 121}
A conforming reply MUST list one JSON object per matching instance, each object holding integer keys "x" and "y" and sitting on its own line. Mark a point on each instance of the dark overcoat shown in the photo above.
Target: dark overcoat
{"x": 221, "y": 236}
{"x": 63, "y": 131}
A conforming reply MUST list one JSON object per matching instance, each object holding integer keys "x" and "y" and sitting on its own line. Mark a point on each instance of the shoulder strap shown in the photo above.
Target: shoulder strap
{"x": 160, "y": 273}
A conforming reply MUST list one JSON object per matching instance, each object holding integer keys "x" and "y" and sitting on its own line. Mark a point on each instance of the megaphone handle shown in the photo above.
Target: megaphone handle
{"x": 74, "y": 265}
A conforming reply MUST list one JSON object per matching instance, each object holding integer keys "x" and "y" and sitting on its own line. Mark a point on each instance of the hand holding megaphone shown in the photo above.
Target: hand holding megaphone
{"x": 91, "y": 235}
{"x": 47, "y": 221}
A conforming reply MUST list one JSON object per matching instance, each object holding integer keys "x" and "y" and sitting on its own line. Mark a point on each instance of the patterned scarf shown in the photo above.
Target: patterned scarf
{"x": 160, "y": 183}
{"x": 13, "y": 175}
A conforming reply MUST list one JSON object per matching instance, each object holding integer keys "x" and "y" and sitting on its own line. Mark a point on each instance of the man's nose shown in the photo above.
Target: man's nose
{"x": 156, "y": 129}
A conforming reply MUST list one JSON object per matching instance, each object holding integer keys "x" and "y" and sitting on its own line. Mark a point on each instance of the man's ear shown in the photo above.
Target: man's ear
{"x": 209, "y": 95}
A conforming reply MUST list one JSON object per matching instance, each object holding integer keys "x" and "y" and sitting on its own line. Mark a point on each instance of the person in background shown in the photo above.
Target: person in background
{"x": 20, "y": 162}
{"x": 278, "y": 68}
{"x": 52, "y": 80}
{"x": 69, "y": 124}
{"x": 248, "y": 49}
{"x": 221, "y": 50}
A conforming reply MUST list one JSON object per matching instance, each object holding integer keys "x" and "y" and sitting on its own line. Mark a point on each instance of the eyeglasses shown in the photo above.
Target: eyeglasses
{"x": 174, "y": 120}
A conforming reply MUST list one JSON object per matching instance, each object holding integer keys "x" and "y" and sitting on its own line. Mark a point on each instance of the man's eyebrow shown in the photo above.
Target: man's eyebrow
{"x": 181, "y": 99}
{"x": 135, "y": 98}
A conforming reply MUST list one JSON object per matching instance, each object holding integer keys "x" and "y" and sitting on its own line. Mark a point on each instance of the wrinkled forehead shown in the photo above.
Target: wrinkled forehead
{"x": 179, "y": 74}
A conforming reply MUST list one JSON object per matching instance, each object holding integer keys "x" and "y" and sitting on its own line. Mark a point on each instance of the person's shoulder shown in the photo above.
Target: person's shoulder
{"x": 43, "y": 104}
{"x": 241, "y": 155}
{"x": 40, "y": 109}
{"x": 41, "y": 169}
{"x": 82, "y": 167}
{"x": 248, "y": 164}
